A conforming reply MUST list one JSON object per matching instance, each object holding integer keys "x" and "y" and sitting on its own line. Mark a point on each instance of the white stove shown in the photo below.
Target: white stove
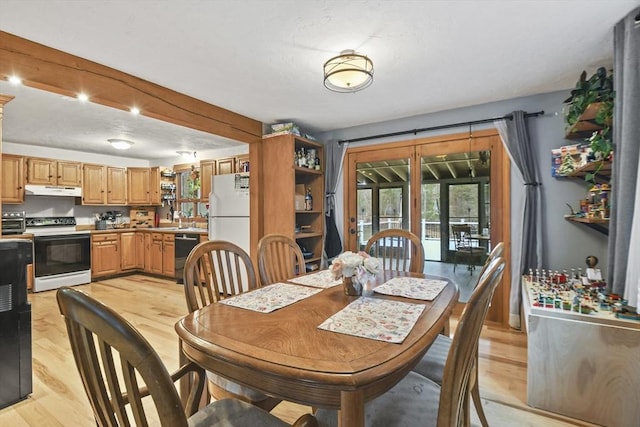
{"x": 62, "y": 254}
{"x": 51, "y": 226}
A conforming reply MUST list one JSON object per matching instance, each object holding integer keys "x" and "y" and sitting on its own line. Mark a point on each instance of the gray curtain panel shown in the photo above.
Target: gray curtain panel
{"x": 334, "y": 153}
{"x": 515, "y": 137}
{"x": 626, "y": 145}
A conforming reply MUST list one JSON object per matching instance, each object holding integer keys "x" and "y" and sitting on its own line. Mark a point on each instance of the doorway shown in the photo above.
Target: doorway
{"x": 425, "y": 186}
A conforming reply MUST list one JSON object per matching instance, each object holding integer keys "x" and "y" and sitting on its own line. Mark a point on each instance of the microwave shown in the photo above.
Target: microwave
{"x": 13, "y": 222}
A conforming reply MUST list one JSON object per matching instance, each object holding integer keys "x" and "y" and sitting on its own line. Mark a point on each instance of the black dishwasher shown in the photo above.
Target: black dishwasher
{"x": 184, "y": 243}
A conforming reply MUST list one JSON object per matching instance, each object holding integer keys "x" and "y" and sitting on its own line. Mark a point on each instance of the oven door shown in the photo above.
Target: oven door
{"x": 60, "y": 254}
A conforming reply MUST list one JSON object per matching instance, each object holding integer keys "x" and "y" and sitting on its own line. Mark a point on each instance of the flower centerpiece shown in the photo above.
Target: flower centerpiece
{"x": 356, "y": 269}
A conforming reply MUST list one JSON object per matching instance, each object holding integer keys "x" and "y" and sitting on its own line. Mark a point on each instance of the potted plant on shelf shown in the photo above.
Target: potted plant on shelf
{"x": 588, "y": 91}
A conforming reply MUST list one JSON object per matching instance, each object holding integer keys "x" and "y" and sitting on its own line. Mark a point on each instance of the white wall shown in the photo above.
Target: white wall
{"x": 565, "y": 244}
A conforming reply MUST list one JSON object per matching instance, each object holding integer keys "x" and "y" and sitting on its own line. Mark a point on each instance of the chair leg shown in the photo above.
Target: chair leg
{"x": 477, "y": 402}
{"x": 475, "y": 395}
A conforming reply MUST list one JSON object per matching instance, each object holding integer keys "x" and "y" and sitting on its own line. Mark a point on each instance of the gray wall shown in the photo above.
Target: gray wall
{"x": 565, "y": 244}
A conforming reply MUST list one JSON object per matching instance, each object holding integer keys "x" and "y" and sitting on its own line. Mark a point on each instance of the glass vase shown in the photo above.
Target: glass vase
{"x": 351, "y": 286}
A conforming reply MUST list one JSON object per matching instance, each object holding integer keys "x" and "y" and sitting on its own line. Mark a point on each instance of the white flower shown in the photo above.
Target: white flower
{"x": 372, "y": 265}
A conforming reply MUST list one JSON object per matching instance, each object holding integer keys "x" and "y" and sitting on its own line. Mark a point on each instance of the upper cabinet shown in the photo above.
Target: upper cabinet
{"x": 138, "y": 181}
{"x": 225, "y": 166}
{"x": 116, "y": 186}
{"x": 94, "y": 182}
{"x": 12, "y": 179}
{"x": 207, "y": 170}
{"x": 53, "y": 172}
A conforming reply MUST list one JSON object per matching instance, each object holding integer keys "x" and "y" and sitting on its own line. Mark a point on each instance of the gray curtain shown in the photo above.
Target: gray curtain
{"x": 334, "y": 153}
{"x": 626, "y": 137}
{"x": 515, "y": 137}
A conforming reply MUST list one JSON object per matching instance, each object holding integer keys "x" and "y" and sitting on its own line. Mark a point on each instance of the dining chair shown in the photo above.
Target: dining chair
{"x": 119, "y": 369}
{"x": 397, "y": 249}
{"x": 215, "y": 270}
{"x": 279, "y": 259}
{"x": 419, "y": 401}
{"x": 433, "y": 362}
{"x": 464, "y": 246}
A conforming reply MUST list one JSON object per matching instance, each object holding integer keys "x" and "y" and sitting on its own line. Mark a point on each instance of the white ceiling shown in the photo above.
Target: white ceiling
{"x": 263, "y": 59}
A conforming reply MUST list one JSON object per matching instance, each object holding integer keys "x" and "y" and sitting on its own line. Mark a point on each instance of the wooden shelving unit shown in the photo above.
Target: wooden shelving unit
{"x": 280, "y": 178}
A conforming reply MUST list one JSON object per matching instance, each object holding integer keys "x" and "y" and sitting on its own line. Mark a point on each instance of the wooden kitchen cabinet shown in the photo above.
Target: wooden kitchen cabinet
{"x": 156, "y": 254}
{"x": 105, "y": 254}
{"x": 53, "y": 172}
{"x": 12, "y": 179}
{"x": 147, "y": 252}
{"x": 168, "y": 255}
{"x": 207, "y": 170}
{"x": 154, "y": 186}
{"x": 131, "y": 250}
{"x": 138, "y": 181}
{"x": 225, "y": 166}
{"x": 116, "y": 186}
{"x": 94, "y": 182}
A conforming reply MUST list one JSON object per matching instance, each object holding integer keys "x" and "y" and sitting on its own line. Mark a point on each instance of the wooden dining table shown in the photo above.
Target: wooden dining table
{"x": 285, "y": 354}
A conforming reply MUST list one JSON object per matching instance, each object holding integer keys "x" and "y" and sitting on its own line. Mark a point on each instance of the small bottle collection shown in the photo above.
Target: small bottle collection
{"x": 307, "y": 158}
{"x": 575, "y": 291}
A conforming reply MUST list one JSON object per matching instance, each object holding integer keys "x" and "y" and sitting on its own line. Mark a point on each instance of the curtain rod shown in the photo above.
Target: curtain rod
{"x": 453, "y": 125}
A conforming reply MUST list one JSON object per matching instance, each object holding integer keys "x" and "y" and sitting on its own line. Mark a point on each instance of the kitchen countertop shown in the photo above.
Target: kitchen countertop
{"x": 174, "y": 230}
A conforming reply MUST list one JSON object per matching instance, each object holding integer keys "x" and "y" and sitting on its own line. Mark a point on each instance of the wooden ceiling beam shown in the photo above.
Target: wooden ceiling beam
{"x": 59, "y": 72}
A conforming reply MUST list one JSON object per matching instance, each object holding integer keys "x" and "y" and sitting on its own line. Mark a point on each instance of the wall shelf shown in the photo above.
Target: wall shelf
{"x": 600, "y": 225}
{"x": 586, "y": 124}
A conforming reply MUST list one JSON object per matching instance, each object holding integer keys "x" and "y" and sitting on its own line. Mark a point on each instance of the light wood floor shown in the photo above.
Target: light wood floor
{"x": 153, "y": 305}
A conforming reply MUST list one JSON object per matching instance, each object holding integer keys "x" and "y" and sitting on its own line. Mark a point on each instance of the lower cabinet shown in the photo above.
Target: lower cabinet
{"x": 105, "y": 254}
{"x": 168, "y": 255}
{"x": 132, "y": 250}
{"x": 123, "y": 251}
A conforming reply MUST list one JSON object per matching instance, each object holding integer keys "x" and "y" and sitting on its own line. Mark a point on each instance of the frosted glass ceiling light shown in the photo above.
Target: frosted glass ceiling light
{"x": 15, "y": 80}
{"x": 348, "y": 72}
{"x": 191, "y": 155}
{"x": 120, "y": 144}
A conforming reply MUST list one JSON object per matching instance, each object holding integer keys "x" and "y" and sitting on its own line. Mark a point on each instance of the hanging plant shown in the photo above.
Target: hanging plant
{"x": 597, "y": 88}
{"x": 193, "y": 183}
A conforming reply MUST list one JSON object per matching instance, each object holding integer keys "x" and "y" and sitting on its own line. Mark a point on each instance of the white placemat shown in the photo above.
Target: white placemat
{"x": 270, "y": 298}
{"x": 412, "y": 287}
{"x": 320, "y": 279}
{"x": 378, "y": 319}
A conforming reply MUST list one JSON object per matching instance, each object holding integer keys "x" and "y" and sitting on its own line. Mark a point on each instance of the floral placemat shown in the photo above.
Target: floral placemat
{"x": 378, "y": 319}
{"x": 320, "y": 279}
{"x": 412, "y": 287}
{"x": 270, "y": 298}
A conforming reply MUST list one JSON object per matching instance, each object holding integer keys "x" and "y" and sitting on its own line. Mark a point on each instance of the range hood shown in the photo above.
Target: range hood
{"x": 52, "y": 190}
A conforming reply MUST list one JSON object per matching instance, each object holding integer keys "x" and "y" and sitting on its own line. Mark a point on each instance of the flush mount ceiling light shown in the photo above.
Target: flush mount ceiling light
{"x": 191, "y": 155}
{"x": 348, "y": 72}
{"x": 120, "y": 144}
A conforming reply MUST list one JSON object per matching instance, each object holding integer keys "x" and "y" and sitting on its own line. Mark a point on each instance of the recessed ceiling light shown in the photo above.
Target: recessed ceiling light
{"x": 83, "y": 97}
{"x": 135, "y": 111}
{"x": 120, "y": 144}
{"x": 15, "y": 80}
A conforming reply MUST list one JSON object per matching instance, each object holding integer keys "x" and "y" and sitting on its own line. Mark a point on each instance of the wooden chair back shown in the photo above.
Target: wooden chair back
{"x": 215, "y": 270}
{"x": 397, "y": 249}
{"x": 279, "y": 259}
{"x": 496, "y": 252}
{"x": 457, "y": 378}
{"x": 119, "y": 367}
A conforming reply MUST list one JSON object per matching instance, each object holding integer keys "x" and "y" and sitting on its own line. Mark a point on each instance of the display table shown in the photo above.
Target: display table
{"x": 585, "y": 366}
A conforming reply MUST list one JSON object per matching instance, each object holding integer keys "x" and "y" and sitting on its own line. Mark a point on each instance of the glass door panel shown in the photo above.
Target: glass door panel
{"x": 430, "y": 221}
{"x": 382, "y": 182}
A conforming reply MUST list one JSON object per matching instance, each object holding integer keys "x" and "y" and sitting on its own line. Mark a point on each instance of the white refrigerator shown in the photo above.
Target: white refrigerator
{"x": 229, "y": 209}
